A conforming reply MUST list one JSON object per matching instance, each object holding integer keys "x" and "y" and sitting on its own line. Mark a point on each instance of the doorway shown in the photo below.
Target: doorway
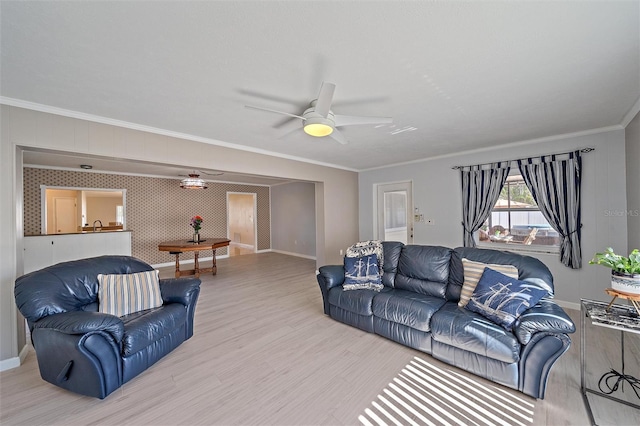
{"x": 241, "y": 223}
{"x": 394, "y": 207}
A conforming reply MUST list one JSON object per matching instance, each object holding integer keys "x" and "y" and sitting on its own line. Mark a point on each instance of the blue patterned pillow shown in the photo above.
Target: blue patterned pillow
{"x": 362, "y": 273}
{"x": 503, "y": 299}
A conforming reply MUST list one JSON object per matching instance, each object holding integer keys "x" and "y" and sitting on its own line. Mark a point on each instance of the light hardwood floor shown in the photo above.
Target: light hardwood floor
{"x": 264, "y": 353}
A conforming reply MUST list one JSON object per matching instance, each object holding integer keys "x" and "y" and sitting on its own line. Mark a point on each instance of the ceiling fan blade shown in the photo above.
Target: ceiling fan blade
{"x": 290, "y": 132}
{"x": 369, "y": 100}
{"x": 273, "y": 110}
{"x": 323, "y": 104}
{"x": 285, "y": 121}
{"x": 269, "y": 97}
{"x": 337, "y": 135}
{"x": 352, "y": 120}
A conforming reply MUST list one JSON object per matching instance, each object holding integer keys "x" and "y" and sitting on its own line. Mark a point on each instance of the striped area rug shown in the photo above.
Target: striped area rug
{"x": 423, "y": 394}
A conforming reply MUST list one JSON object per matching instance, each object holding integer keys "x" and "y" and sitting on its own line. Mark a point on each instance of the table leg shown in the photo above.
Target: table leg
{"x": 197, "y": 267}
{"x": 611, "y": 303}
{"x": 177, "y": 265}
{"x": 214, "y": 267}
{"x": 583, "y": 365}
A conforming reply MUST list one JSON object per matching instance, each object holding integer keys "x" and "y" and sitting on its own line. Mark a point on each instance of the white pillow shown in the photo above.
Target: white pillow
{"x": 123, "y": 294}
{"x": 472, "y": 273}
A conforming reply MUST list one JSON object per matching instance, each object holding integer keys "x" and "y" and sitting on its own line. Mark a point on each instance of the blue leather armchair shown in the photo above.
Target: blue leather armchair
{"x": 93, "y": 353}
{"x": 418, "y": 307}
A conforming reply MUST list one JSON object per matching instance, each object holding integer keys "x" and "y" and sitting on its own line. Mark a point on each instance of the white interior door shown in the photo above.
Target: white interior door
{"x": 394, "y": 208}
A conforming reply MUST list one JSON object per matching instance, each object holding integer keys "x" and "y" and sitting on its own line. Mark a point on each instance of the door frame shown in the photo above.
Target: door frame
{"x": 393, "y": 186}
{"x": 255, "y": 216}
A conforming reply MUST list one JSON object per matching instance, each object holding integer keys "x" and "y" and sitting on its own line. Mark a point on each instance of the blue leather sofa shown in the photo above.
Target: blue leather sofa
{"x": 93, "y": 353}
{"x": 418, "y": 308}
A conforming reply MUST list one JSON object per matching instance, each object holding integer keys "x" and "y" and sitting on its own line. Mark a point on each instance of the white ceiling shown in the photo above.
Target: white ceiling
{"x": 466, "y": 75}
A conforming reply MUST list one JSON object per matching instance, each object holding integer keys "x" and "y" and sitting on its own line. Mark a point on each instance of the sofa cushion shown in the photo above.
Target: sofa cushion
{"x": 122, "y": 294}
{"x": 463, "y": 329}
{"x": 424, "y": 269}
{"x": 143, "y": 328}
{"x": 356, "y": 301}
{"x": 472, "y": 273}
{"x": 529, "y": 268}
{"x": 392, "y": 250}
{"x": 503, "y": 299}
{"x": 362, "y": 273}
{"x": 407, "y": 308}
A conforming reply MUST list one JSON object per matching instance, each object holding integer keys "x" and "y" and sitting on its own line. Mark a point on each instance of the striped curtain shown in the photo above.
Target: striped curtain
{"x": 480, "y": 192}
{"x": 555, "y": 185}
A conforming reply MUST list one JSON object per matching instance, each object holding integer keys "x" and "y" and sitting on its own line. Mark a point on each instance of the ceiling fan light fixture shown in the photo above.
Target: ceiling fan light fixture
{"x": 318, "y": 127}
{"x": 193, "y": 182}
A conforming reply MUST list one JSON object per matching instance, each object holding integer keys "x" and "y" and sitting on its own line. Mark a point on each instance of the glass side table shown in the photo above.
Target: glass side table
{"x": 616, "y": 317}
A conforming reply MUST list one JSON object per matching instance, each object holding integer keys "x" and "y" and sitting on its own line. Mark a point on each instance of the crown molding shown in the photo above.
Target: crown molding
{"x": 128, "y": 125}
{"x": 630, "y": 115}
{"x": 508, "y": 145}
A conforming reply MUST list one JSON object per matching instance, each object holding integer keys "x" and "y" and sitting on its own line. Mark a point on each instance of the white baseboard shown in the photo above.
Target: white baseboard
{"x": 294, "y": 254}
{"x": 249, "y": 246}
{"x": 8, "y": 364}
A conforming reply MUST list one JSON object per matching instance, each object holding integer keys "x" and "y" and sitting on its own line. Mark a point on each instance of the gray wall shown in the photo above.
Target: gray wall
{"x": 632, "y": 137}
{"x": 436, "y": 192}
{"x": 293, "y": 218}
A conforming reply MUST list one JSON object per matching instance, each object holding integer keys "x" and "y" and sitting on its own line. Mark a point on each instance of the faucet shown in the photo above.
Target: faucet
{"x": 94, "y": 225}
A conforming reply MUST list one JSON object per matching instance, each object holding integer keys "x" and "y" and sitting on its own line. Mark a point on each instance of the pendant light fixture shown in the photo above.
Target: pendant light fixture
{"x": 193, "y": 182}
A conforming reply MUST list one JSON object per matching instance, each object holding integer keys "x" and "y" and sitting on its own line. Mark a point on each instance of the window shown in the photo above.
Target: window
{"x": 517, "y": 220}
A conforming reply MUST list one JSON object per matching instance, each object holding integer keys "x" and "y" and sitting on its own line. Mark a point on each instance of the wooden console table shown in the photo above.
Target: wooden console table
{"x": 181, "y": 246}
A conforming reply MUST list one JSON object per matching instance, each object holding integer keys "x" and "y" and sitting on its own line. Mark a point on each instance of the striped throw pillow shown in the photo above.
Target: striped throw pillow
{"x": 472, "y": 273}
{"x": 124, "y": 294}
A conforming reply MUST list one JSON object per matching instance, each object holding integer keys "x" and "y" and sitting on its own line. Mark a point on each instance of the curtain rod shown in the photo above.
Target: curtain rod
{"x": 585, "y": 150}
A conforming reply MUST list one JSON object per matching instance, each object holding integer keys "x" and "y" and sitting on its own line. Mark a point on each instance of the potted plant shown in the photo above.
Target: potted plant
{"x": 625, "y": 271}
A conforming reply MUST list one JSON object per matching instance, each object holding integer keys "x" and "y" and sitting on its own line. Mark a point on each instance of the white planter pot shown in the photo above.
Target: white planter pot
{"x": 625, "y": 283}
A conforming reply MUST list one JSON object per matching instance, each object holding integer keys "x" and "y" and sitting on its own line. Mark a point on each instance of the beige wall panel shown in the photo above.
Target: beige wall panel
{"x": 63, "y": 133}
{"x": 22, "y": 129}
{"x": 101, "y": 138}
{"x": 44, "y": 128}
{"x": 185, "y": 152}
{"x": 82, "y": 136}
{"x": 156, "y": 148}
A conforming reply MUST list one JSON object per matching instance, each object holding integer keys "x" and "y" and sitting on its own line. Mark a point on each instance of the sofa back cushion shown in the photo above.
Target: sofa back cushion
{"x": 392, "y": 250}
{"x": 424, "y": 269}
{"x": 529, "y": 268}
{"x": 69, "y": 286}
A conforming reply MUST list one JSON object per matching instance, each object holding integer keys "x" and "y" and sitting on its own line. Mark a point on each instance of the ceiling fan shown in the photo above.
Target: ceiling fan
{"x": 318, "y": 119}
{"x": 193, "y": 181}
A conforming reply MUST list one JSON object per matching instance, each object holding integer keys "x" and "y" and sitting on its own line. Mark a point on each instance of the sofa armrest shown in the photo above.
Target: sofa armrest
{"x": 81, "y": 322}
{"x": 184, "y": 291}
{"x": 331, "y": 276}
{"x": 546, "y": 316}
{"x": 180, "y": 290}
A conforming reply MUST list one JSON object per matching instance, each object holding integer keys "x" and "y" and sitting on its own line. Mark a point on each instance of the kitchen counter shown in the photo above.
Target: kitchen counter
{"x": 105, "y": 231}
{"x": 41, "y": 251}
